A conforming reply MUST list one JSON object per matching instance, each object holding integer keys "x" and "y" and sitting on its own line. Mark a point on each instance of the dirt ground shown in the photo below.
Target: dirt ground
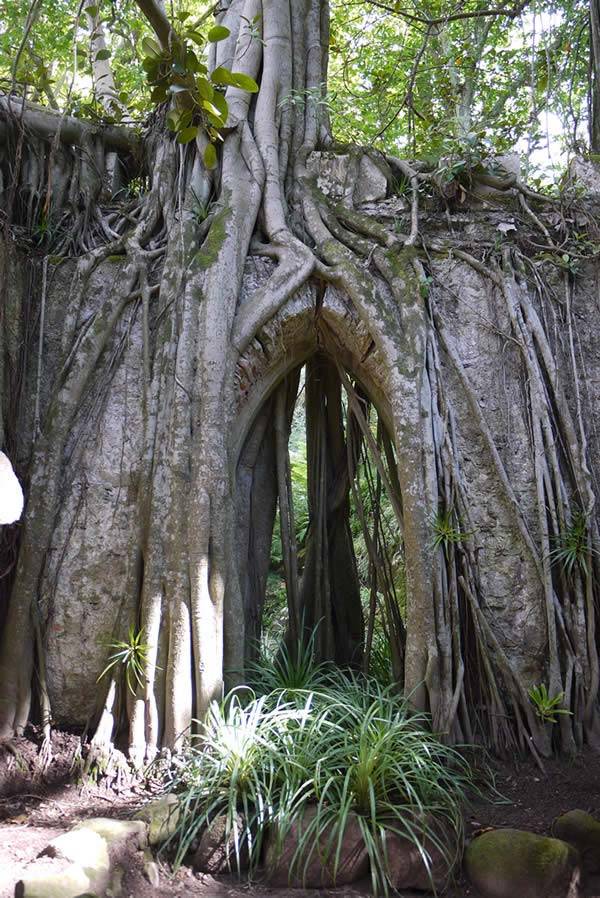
{"x": 35, "y": 809}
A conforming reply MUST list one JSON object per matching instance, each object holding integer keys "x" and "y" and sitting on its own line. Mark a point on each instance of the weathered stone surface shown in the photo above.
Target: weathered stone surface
{"x": 407, "y": 868}
{"x": 585, "y": 174}
{"x": 582, "y": 831}
{"x": 93, "y": 564}
{"x": 216, "y": 852}
{"x": 371, "y": 184}
{"x": 356, "y": 179}
{"x": 316, "y": 870}
{"x": 117, "y": 832}
{"x": 55, "y": 879}
{"x": 74, "y": 863}
{"x": 162, "y": 816}
{"x": 507, "y": 863}
{"x": 151, "y": 872}
{"x": 82, "y": 846}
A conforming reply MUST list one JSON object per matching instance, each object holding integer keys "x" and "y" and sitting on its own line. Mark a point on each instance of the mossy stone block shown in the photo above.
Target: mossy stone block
{"x": 511, "y": 863}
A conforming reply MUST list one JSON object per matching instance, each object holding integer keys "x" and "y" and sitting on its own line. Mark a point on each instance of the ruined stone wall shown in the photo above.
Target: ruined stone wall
{"x": 90, "y": 580}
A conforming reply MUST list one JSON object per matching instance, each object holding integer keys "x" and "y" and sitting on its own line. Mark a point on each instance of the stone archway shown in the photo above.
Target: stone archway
{"x": 325, "y": 333}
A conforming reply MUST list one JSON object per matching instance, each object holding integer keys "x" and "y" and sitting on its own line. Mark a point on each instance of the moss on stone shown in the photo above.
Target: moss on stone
{"x": 507, "y": 863}
{"x": 582, "y": 831}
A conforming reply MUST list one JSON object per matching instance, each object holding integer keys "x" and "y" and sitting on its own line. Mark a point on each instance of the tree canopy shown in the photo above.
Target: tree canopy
{"x": 421, "y": 78}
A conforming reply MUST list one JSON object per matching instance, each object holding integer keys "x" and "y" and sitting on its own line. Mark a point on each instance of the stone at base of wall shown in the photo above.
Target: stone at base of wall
{"x": 83, "y": 861}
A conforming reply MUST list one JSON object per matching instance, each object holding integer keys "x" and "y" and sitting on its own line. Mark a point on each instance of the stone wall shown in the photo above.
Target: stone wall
{"x": 93, "y": 572}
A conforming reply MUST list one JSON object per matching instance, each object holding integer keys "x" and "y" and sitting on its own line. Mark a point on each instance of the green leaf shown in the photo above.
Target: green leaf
{"x": 214, "y": 112}
{"x": 150, "y": 66}
{"x": 221, "y": 75}
{"x": 196, "y": 37}
{"x": 244, "y": 82}
{"x": 218, "y": 33}
{"x": 187, "y": 134}
{"x": 218, "y": 100}
{"x": 103, "y": 54}
{"x": 173, "y": 120}
{"x": 192, "y": 63}
{"x": 151, "y": 48}
{"x": 210, "y": 156}
{"x": 158, "y": 95}
{"x": 92, "y": 11}
{"x": 205, "y": 88}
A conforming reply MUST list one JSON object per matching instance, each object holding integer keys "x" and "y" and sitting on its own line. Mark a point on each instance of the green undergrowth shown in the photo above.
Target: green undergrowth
{"x": 308, "y": 735}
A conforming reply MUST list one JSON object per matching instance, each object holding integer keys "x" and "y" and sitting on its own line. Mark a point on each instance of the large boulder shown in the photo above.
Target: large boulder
{"x": 316, "y": 868}
{"x": 411, "y": 867}
{"x": 74, "y": 863}
{"x": 510, "y": 863}
{"x": 582, "y": 831}
{"x": 217, "y": 853}
{"x": 87, "y": 860}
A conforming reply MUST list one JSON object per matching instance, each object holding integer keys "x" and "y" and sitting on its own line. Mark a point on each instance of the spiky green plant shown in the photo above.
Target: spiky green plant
{"x": 351, "y": 747}
{"x": 131, "y": 654}
{"x": 445, "y": 532}
{"x": 571, "y": 546}
{"x": 287, "y": 669}
{"x": 546, "y": 708}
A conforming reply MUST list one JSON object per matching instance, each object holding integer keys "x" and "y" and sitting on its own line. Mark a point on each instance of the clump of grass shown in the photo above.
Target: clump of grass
{"x": 348, "y": 746}
{"x": 571, "y": 546}
{"x": 287, "y": 669}
{"x": 446, "y": 532}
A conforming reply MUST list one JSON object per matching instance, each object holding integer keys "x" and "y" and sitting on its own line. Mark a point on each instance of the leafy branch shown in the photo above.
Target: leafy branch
{"x": 176, "y": 72}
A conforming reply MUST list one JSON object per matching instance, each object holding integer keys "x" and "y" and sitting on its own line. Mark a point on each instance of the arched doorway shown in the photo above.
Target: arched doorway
{"x": 325, "y": 366}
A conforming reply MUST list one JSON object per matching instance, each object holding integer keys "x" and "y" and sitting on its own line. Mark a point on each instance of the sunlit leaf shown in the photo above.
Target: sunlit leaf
{"x": 187, "y": 134}
{"x": 221, "y": 75}
{"x": 205, "y": 88}
{"x": 244, "y": 82}
{"x": 151, "y": 48}
{"x": 210, "y": 156}
{"x": 218, "y": 33}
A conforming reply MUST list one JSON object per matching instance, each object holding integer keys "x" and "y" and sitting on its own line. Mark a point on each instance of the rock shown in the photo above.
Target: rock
{"x": 332, "y": 172}
{"x": 162, "y": 816}
{"x": 117, "y": 832}
{"x": 83, "y": 861}
{"x": 56, "y": 879}
{"x": 348, "y": 177}
{"x": 510, "y": 863}
{"x": 115, "y": 888}
{"x": 316, "y": 869}
{"x": 83, "y": 847}
{"x": 371, "y": 184}
{"x": 151, "y": 871}
{"x": 216, "y": 851}
{"x": 586, "y": 175}
{"x": 408, "y": 870}
{"x": 582, "y": 831}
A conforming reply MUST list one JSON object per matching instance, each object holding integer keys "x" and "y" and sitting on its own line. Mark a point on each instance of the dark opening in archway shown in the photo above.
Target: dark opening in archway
{"x": 317, "y": 486}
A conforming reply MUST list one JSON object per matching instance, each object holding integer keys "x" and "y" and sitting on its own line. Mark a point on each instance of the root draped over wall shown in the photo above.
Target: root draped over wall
{"x": 144, "y": 350}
